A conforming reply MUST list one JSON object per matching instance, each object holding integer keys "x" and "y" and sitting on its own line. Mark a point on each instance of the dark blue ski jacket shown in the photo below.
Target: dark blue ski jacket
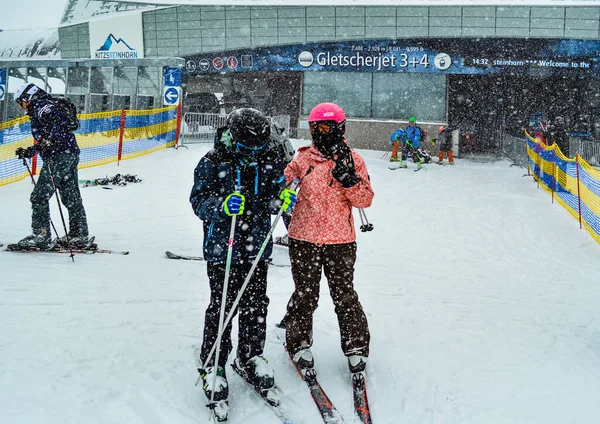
{"x": 49, "y": 124}
{"x": 215, "y": 177}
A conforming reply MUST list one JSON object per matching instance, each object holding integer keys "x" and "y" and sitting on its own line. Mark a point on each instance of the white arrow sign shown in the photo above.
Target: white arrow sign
{"x": 172, "y": 95}
{"x": 2, "y": 91}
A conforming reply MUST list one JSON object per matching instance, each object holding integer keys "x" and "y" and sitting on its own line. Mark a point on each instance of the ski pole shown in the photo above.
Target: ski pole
{"x": 33, "y": 181}
{"x": 366, "y": 225}
{"x": 247, "y": 280}
{"x": 217, "y": 345}
{"x": 387, "y": 152}
{"x": 62, "y": 217}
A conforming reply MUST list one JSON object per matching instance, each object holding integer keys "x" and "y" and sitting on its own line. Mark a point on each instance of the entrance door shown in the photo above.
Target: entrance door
{"x": 484, "y": 106}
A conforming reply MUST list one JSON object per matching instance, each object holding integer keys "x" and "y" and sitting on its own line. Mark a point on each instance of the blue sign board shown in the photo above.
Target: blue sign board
{"x": 171, "y": 96}
{"x": 172, "y": 77}
{"x": 535, "y": 57}
{"x": 2, "y": 83}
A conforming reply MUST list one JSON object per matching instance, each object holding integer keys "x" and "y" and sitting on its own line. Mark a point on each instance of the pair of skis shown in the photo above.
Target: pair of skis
{"x": 393, "y": 168}
{"x": 177, "y": 256}
{"x": 90, "y": 250}
{"x": 328, "y": 411}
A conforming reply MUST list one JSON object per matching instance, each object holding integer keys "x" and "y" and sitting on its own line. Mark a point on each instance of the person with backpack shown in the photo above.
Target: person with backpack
{"x": 241, "y": 178}
{"x": 52, "y": 127}
{"x": 412, "y": 141}
{"x": 445, "y": 144}
{"x": 333, "y": 180}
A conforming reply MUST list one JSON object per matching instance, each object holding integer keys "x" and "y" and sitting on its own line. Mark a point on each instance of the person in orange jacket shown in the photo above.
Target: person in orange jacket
{"x": 445, "y": 144}
{"x": 333, "y": 179}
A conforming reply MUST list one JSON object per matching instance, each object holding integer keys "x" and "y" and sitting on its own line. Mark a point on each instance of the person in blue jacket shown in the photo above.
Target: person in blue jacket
{"x": 56, "y": 144}
{"x": 244, "y": 178}
{"x": 412, "y": 143}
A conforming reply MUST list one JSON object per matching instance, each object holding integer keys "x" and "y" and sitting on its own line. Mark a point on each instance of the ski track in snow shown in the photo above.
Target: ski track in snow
{"x": 481, "y": 298}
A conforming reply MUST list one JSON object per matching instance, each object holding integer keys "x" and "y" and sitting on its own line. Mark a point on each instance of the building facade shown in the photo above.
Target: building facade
{"x": 485, "y": 68}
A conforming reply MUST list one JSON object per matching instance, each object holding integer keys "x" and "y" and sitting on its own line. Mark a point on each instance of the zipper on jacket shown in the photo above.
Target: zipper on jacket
{"x": 209, "y": 235}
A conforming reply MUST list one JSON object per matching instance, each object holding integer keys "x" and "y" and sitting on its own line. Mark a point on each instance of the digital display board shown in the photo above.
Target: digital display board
{"x": 536, "y": 57}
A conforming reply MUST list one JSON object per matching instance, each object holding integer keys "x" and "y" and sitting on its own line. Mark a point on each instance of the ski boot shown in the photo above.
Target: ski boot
{"x": 403, "y": 164}
{"x": 257, "y": 372}
{"x": 357, "y": 363}
{"x": 304, "y": 359}
{"x": 221, "y": 388}
{"x": 76, "y": 242}
{"x": 39, "y": 240}
{"x": 260, "y": 375}
{"x": 394, "y": 159}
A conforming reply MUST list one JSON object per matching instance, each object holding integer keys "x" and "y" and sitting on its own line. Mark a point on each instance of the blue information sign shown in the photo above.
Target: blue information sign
{"x": 2, "y": 83}
{"x": 171, "y": 96}
{"x": 529, "y": 57}
{"x": 172, "y": 77}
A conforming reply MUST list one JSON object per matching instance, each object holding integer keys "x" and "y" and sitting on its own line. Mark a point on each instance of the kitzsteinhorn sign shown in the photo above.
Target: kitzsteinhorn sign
{"x": 117, "y": 37}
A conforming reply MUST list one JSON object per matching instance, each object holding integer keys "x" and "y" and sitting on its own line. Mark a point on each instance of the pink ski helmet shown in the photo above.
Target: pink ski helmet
{"x": 327, "y": 112}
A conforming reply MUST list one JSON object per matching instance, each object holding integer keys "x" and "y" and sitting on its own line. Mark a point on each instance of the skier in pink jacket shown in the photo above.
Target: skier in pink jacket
{"x": 333, "y": 179}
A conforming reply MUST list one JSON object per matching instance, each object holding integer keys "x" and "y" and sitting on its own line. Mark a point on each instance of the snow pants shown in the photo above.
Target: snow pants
{"x": 337, "y": 261}
{"x": 252, "y": 321}
{"x": 63, "y": 169}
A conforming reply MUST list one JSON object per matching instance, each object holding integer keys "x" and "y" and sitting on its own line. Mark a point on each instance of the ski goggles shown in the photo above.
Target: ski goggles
{"x": 249, "y": 150}
{"x": 321, "y": 127}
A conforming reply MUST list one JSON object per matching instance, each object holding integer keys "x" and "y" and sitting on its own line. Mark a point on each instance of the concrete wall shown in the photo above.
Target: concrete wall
{"x": 375, "y": 134}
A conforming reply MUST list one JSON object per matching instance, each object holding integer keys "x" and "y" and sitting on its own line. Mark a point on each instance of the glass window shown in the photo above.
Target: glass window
{"x": 402, "y": 95}
{"x": 56, "y": 80}
{"x": 101, "y": 81}
{"x": 149, "y": 81}
{"x": 125, "y": 81}
{"x": 37, "y": 76}
{"x": 99, "y": 103}
{"x": 16, "y": 78}
{"x": 350, "y": 90}
{"x": 78, "y": 80}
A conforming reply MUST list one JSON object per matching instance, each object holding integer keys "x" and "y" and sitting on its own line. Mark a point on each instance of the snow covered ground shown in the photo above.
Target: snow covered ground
{"x": 482, "y": 298}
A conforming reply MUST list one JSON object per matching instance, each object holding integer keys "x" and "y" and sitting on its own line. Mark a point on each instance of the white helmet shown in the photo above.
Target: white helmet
{"x": 26, "y": 92}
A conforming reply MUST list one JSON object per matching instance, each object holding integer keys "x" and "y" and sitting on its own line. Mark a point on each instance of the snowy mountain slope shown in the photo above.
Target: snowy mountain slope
{"x": 481, "y": 297}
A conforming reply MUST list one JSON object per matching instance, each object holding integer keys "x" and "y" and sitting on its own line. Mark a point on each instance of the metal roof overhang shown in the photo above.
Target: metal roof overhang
{"x": 73, "y": 63}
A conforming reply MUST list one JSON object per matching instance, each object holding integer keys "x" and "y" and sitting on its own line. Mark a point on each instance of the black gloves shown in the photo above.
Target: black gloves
{"x": 43, "y": 146}
{"x": 27, "y": 153}
{"x": 343, "y": 170}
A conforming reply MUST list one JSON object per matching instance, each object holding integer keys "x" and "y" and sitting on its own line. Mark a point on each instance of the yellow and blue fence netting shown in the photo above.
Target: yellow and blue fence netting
{"x": 103, "y": 138}
{"x": 573, "y": 182}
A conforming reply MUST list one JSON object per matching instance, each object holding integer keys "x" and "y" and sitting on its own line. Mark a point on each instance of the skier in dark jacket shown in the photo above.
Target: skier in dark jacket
{"x": 244, "y": 178}
{"x": 445, "y": 144}
{"x": 57, "y": 146}
{"x": 560, "y": 135}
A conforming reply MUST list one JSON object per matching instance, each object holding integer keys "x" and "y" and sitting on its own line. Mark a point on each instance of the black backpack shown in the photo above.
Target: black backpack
{"x": 70, "y": 111}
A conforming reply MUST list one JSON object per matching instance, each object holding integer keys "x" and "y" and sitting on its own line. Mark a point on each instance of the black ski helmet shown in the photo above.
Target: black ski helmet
{"x": 249, "y": 127}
